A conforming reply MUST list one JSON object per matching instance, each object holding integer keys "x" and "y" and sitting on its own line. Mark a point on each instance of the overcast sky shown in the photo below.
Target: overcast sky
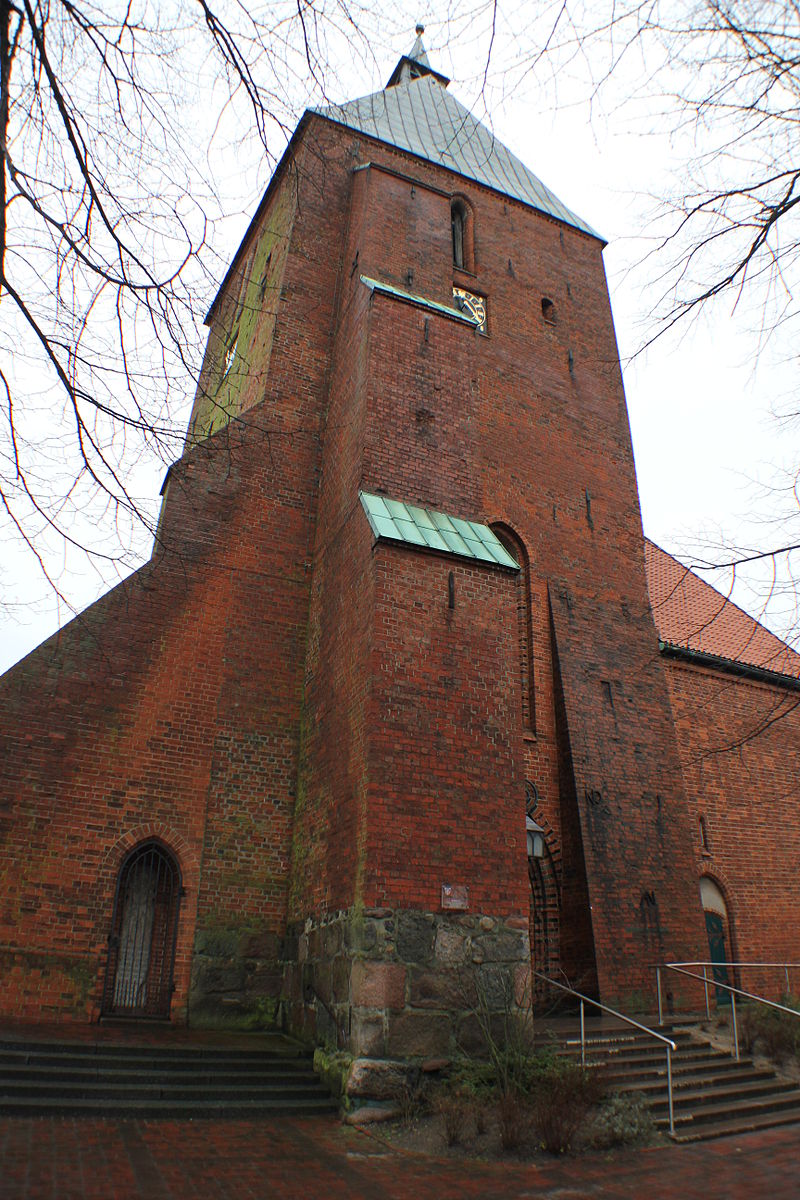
{"x": 713, "y": 459}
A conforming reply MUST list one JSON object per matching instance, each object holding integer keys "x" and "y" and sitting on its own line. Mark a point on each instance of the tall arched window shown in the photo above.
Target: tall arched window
{"x": 144, "y": 926}
{"x": 458, "y": 222}
{"x": 463, "y": 228}
{"x": 525, "y": 638}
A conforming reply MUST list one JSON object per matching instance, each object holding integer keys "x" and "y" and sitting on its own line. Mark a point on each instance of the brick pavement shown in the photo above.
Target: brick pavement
{"x": 62, "y": 1159}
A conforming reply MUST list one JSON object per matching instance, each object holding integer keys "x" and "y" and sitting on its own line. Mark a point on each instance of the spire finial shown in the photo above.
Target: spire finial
{"x": 415, "y": 64}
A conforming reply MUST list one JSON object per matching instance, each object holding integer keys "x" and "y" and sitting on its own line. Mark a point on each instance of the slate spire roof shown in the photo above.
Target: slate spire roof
{"x": 416, "y": 112}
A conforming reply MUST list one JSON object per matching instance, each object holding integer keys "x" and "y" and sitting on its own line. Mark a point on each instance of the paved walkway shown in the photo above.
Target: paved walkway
{"x": 315, "y": 1159}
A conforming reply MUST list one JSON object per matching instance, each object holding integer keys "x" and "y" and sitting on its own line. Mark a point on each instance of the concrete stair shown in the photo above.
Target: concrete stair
{"x": 70, "y": 1078}
{"x": 713, "y": 1094}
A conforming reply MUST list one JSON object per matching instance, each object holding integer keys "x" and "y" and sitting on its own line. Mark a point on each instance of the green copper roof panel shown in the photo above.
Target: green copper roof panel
{"x": 395, "y": 521}
{"x": 447, "y": 310}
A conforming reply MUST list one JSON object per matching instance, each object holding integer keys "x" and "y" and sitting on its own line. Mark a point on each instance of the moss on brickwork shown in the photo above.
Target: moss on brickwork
{"x": 62, "y": 982}
{"x": 333, "y": 1069}
{"x": 236, "y": 975}
{"x": 244, "y": 325}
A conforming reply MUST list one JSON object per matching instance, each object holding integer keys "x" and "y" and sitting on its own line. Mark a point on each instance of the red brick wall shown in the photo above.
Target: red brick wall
{"x": 738, "y": 744}
{"x": 445, "y": 745}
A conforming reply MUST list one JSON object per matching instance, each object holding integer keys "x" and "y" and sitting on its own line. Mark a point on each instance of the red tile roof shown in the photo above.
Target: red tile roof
{"x": 690, "y": 613}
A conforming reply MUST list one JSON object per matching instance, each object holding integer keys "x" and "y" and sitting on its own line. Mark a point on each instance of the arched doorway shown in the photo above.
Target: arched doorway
{"x": 718, "y": 930}
{"x": 144, "y": 926}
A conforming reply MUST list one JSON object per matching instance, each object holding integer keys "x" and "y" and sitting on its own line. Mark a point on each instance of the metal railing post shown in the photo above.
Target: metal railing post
{"x": 583, "y": 1038}
{"x": 669, "y": 1093}
{"x": 735, "y": 1029}
{"x": 786, "y": 973}
{"x": 658, "y": 986}
{"x": 705, "y": 985}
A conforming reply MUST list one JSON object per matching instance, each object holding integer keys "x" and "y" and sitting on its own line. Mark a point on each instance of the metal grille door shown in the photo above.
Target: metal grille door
{"x": 144, "y": 926}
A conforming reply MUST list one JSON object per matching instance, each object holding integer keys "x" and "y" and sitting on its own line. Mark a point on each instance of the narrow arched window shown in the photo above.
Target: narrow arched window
{"x": 517, "y": 550}
{"x": 458, "y": 222}
{"x": 704, "y": 845}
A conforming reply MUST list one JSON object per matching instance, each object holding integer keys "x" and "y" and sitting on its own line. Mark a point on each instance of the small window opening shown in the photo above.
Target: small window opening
{"x": 458, "y": 224}
{"x": 548, "y": 311}
{"x": 704, "y": 843}
{"x": 262, "y": 290}
{"x": 230, "y": 355}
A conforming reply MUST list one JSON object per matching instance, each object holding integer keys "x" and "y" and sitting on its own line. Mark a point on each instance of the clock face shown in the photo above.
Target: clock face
{"x": 474, "y": 305}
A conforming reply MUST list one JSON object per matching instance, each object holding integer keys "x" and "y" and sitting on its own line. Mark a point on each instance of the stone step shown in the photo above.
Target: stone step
{"x": 708, "y": 1114}
{"x": 624, "y": 1039}
{"x": 713, "y": 1094}
{"x": 696, "y": 1097}
{"x": 169, "y": 1109}
{"x": 281, "y": 1048}
{"x": 645, "y": 1054}
{"x": 9, "y": 1092}
{"x": 657, "y": 1069}
{"x": 146, "y": 1062}
{"x": 133, "y": 1075}
{"x": 138, "y": 1079}
{"x": 735, "y": 1125}
{"x": 710, "y": 1076}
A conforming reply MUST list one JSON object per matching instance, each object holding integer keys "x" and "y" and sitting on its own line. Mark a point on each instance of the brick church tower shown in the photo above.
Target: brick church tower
{"x": 396, "y": 611}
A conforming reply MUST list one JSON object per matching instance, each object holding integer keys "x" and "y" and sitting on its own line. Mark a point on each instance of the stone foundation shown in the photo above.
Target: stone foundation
{"x": 385, "y": 984}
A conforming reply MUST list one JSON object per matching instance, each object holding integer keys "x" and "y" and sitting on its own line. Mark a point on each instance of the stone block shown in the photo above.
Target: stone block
{"x": 366, "y": 1034}
{"x": 496, "y": 987}
{"x": 469, "y": 1038}
{"x": 377, "y": 1079}
{"x": 452, "y": 946}
{"x": 331, "y": 939}
{"x": 415, "y": 934}
{"x": 361, "y": 935}
{"x": 321, "y": 981}
{"x": 433, "y": 989}
{"x": 509, "y": 946}
{"x": 378, "y": 984}
{"x": 340, "y": 978}
{"x": 212, "y": 980}
{"x": 263, "y": 981}
{"x": 262, "y": 944}
{"x": 423, "y": 1035}
{"x": 217, "y": 943}
{"x": 522, "y": 985}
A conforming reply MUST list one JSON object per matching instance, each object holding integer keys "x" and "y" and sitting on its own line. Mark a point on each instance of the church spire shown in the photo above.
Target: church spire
{"x": 418, "y": 53}
{"x": 415, "y": 64}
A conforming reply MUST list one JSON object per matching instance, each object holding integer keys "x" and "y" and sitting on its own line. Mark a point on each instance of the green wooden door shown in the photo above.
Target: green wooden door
{"x": 715, "y": 928}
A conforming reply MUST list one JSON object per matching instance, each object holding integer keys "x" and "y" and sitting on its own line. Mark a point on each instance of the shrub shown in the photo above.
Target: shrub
{"x": 413, "y": 1101}
{"x": 622, "y": 1120}
{"x": 563, "y": 1094}
{"x": 513, "y": 1119}
{"x": 776, "y": 1033}
{"x": 454, "y": 1109}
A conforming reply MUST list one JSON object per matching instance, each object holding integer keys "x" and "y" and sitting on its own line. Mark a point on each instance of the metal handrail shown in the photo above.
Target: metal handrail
{"x": 680, "y": 969}
{"x": 786, "y": 967}
{"x": 669, "y": 1045}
